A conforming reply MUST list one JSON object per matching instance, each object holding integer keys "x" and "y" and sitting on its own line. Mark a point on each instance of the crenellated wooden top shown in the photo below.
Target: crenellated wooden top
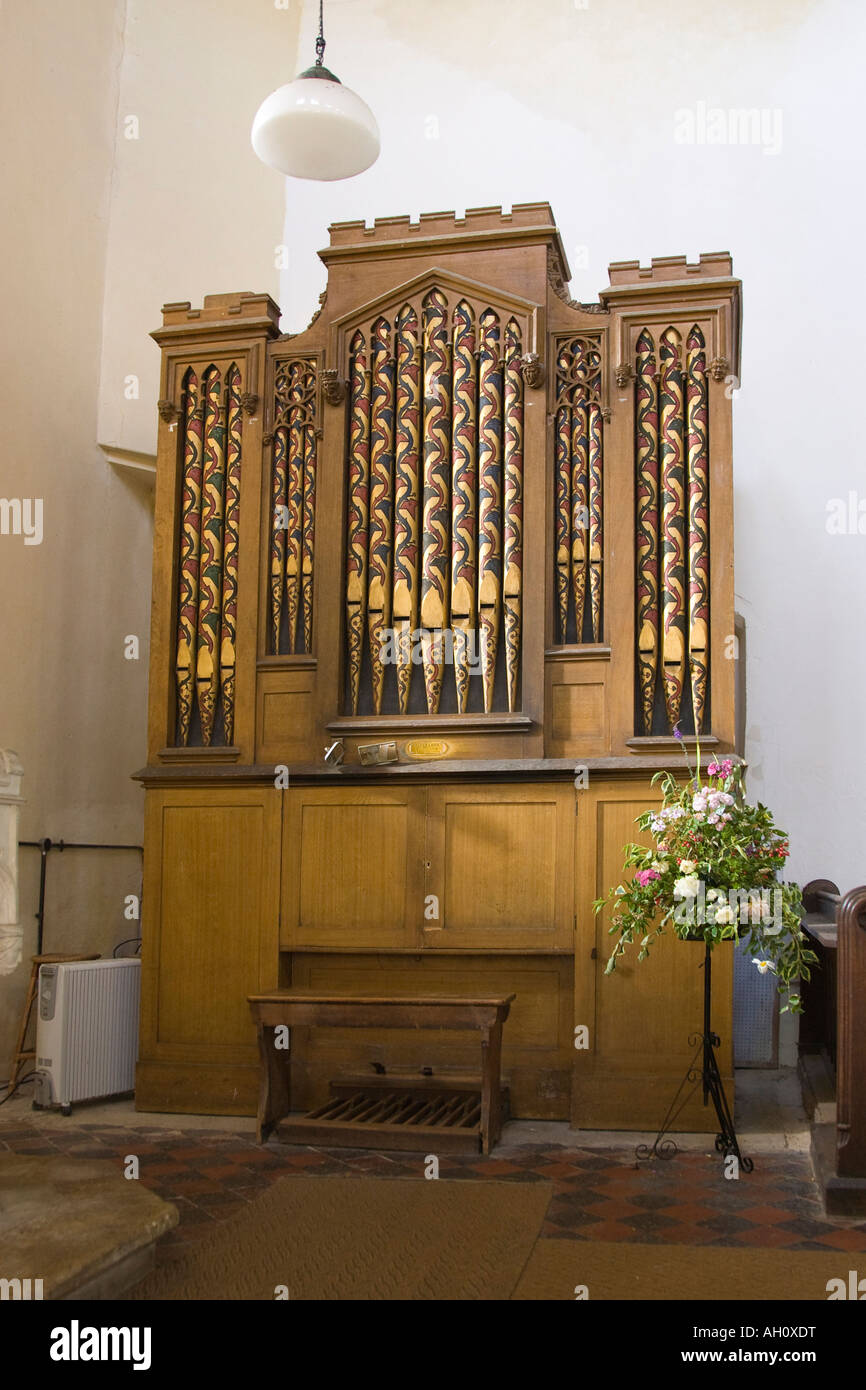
{"x": 715, "y": 264}
{"x": 485, "y": 228}
{"x": 219, "y": 314}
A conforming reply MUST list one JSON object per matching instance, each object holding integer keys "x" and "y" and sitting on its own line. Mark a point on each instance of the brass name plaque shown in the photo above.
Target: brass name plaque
{"x": 426, "y": 748}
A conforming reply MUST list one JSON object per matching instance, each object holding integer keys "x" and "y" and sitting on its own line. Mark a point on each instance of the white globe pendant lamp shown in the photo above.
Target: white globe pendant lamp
{"x": 314, "y": 127}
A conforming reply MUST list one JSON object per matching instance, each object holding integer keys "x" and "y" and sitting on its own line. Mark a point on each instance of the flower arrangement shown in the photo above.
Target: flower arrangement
{"x": 713, "y": 875}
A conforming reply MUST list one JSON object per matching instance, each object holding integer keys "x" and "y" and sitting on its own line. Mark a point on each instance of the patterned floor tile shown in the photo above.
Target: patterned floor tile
{"x": 597, "y": 1194}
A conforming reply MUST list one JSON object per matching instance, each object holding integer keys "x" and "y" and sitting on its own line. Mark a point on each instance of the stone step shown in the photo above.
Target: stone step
{"x": 77, "y": 1225}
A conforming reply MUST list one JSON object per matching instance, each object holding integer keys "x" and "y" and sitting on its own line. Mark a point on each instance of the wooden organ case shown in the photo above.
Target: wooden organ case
{"x": 465, "y": 516}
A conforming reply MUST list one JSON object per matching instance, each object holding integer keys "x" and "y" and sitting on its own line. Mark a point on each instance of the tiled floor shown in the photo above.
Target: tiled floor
{"x": 599, "y": 1194}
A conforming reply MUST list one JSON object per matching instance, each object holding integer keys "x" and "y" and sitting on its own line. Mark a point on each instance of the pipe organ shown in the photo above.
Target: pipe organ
{"x": 471, "y": 520}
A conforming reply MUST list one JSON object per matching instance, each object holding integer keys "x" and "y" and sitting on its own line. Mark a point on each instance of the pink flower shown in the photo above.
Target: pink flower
{"x": 645, "y": 876}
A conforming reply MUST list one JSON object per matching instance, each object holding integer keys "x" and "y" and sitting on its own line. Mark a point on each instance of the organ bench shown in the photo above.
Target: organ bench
{"x": 405, "y": 1113}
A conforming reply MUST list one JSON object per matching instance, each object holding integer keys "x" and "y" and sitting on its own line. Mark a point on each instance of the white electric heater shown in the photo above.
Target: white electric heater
{"x": 87, "y": 1030}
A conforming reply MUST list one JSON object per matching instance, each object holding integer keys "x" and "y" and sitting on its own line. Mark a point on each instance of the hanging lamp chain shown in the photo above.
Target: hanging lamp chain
{"x": 320, "y": 41}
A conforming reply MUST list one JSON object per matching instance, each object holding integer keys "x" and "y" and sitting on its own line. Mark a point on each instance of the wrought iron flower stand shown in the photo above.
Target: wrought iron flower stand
{"x": 709, "y": 1078}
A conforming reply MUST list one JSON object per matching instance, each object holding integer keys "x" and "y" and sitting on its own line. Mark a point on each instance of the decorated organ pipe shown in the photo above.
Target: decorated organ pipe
{"x": 294, "y": 509}
{"x": 308, "y": 532}
{"x": 207, "y": 575}
{"x": 358, "y": 511}
{"x": 211, "y": 565}
{"x": 190, "y": 555}
{"x": 464, "y": 529}
{"x": 578, "y": 491}
{"x": 229, "y": 615}
{"x": 489, "y": 498}
{"x": 436, "y": 490}
{"x": 380, "y": 537}
{"x": 434, "y": 530}
{"x": 407, "y": 426}
{"x": 673, "y": 572}
{"x": 293, "y": 500}
{"x": 697, "y": 462}
{"x": 594, "y": 508}
{"x": 512, "y": 519}
{"x": 647, "y": 525}
{"x": 672, "y": 527}
{"x": 562, "y": 506}
{"x": 579, "y": 507}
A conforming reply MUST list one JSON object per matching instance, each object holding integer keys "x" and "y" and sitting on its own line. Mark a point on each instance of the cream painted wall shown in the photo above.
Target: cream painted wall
{"x": 70, "y": 704}
{"x": 107, "y": 228}
{"x": 193, "y": 212}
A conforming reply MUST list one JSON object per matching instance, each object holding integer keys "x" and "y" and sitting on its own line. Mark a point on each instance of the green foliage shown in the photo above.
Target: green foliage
{"x": 713, "y": 874}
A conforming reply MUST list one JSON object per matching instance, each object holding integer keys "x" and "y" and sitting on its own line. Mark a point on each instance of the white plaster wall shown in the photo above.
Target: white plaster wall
{"x": 193, "y": 212}
{"x": 500, "y": 101}
{"x": 71, "y": 705}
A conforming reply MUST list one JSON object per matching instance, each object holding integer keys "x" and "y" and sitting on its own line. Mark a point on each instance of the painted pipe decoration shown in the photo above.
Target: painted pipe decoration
{"x": 190, "y": 549}
{"x": 358, "y": 511}
{"x": 562, "y": 506}
{"x": 308, "y": 531}
{"x": 594, "y": 506}
{"x": 697, "y": 464}
{"x": 512, "y": 518}
{"x": 436, "y": 510}
{"x": 380, "y": 539}
{"x": 294, "y": 501}
{"x": 578, "y": 488}
{"x": 229, "y": 617}
{"x": 579, "y": 507}
{"x": 463, "y": 495}
{"x": 407, "y": 428}
{"x": 647, "y": 522}
{"x": 279, "y": 515}
{"x": 211, "y": 568}
{"x": 434, "y": 539}
{"x": 489, "y": 498}
{"x": 673, "y": 573}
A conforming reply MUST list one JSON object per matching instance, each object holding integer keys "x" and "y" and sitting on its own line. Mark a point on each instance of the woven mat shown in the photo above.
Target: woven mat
{"x": 614, "y": 1270}
{"x": 362, "y": 1238}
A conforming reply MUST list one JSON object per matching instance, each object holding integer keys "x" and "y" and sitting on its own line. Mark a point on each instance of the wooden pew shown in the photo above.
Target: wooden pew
{"x": 838, "y": 923}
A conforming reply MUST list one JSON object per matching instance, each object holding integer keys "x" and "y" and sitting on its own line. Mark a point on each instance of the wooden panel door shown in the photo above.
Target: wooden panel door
{"x": 500, "y": 868}
{"x": 353, "y": 866}
{"x": 640, "y": 1017}
{"x": 210, "y": 939}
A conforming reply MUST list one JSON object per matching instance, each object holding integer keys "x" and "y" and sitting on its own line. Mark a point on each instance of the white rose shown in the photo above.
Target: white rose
{"x": 686, "y": 887}
{"x": 724, "y": 916}
{"x": 687, "y": 866}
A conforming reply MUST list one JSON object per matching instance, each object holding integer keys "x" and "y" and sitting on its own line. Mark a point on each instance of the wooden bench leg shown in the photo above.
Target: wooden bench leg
{"x": 491, "y": 1097}
{"x": 273, "y": 1084}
